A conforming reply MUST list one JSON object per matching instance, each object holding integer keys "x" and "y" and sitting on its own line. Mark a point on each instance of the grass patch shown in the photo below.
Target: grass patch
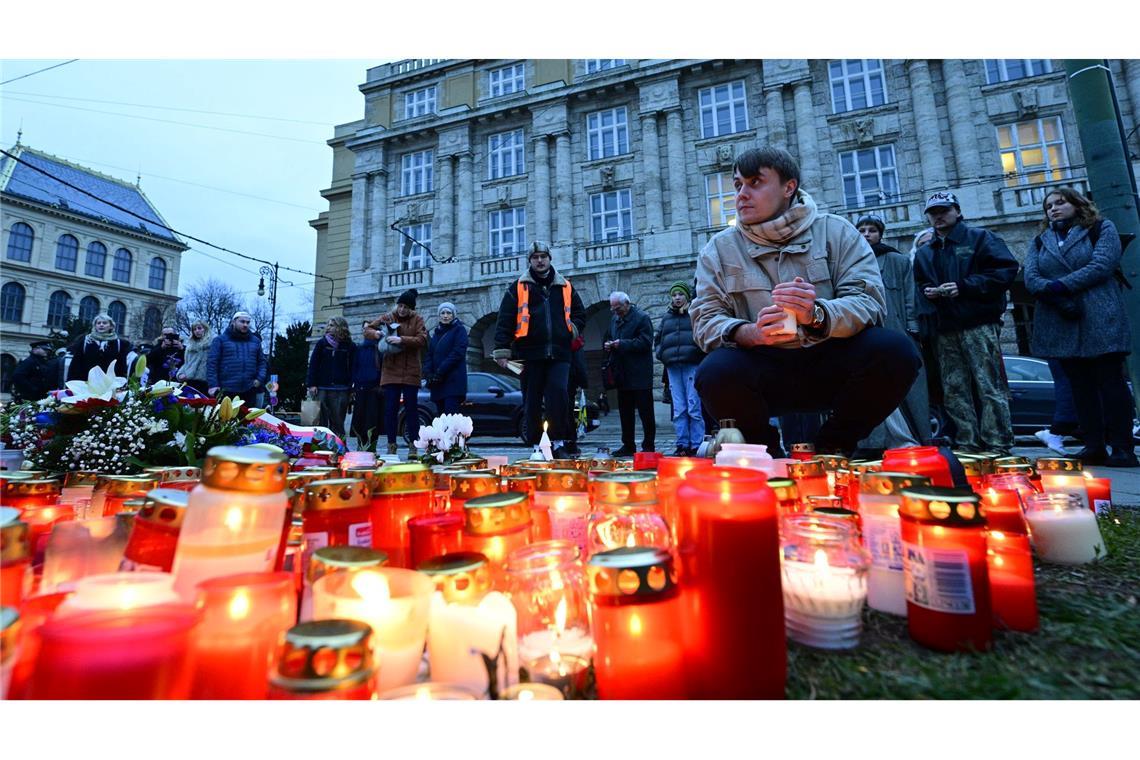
{"x": 1088, "y": 646}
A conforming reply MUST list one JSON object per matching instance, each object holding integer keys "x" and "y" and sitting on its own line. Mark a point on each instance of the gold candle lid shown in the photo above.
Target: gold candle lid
{"x": 560, "y": 481}
{"x": 1011, "y": 460}
{"x": 942, "y": 506}
{"x": 176, "y": 474}
{"x": 31, "y": 487}
{"x": 131, "y": 485}
{"x": 527, "y": 483}
{"x": 329, "y": 559}
{"x": 644, "y": 572}
{"x": 9, "y": 632}
{"x": 321, "y": 473}
{"x": 342, "y": 493}
{"x": 803, "y": 448}
{"x": 164, "y": 506}
{"x": 324, "y": 655}
{"x": 368, "y": 474}
{"x": 786, "y": 490}
{"x": 625, "y": 487}
{"x": 14, "y": 544}
{"x": 528, "y": 465}
{"x": 1014, "y": 468}
{"x": 471, "y": 463}
{"x": 888, "y": 483}
{"x": 832, "y": 462}
{"x": 411, "y": 477}
{"x": 242, "y": 468}
{"x": 507, "y": 470}
{"x": 564, "y": 464}
{"x": 497, "y": 513}
{"x": 1058, "y": 464}
{"x": 812, "y": 468}
{"x": 859, "y": 466}
{"x": 462, "y": 577}
{"x": 77, "y": 478}
{"x": 471, "y": 485}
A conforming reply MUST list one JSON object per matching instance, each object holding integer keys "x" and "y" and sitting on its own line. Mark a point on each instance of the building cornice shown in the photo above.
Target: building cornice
{"x": 87, "y": 221}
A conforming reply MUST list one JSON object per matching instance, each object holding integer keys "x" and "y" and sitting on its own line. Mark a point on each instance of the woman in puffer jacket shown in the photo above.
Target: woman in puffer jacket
{"x": 193, "y": 369}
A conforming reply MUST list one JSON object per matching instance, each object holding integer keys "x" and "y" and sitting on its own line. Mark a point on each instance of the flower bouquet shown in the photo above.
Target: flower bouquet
{"x": 445, "y": 440}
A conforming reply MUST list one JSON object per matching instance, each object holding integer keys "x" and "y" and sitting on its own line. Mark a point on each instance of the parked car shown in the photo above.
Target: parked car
{"x": 494, "y": 404}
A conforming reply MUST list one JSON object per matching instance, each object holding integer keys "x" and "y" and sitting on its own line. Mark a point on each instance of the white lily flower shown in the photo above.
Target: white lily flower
{"x": 164, "y": 388}
{"x": 99, "y": 385}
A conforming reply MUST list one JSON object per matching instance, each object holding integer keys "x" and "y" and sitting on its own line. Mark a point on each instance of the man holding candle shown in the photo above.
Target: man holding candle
{"x": 784, "y": 258}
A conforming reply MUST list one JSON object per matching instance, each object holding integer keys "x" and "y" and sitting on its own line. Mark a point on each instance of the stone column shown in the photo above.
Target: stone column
{"x": 464, "y": 194}
{"x": 443, "y": 220}
{"x": 961, "y": 120}
{"x": 808, "y": 144}
{"x": 927, "y": 129}
{"x": 1132, "y": 82}
{"x": 651, "y": 154}
{"x": 357, "y": 237}
{"x": 678, "y": 177}
{"x": 774, "y": 116}
{"x": 542, "y": 188}
{"x": 378, "y": 224}
{"x": 564, "y": 199}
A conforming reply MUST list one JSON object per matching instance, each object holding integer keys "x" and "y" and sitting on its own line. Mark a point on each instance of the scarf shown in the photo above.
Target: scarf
{"x": 332, "y": 341}
{"x": 102, "y": 338}
{"x": 776, "y": 232}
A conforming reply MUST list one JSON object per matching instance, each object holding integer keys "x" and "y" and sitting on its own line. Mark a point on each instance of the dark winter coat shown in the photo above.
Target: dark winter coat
{"x": 634, "y": 354}
{"x": 547, "y": 337}
{"x": 674, "y": 340}
{"x": 1087, "y": 272}
{"x": 445, "y": 362}
{"x": 366, "y": 368}
{"x": 88, "y": 353}
{"x": 235, "y": 361}
{"x": 898, "y": 287}
{"x": 164, "y": 363}
{"x": 979, "y": 262}
{"x": 331, "y": 369}
{"x": 403, "y": 367}
{"x": 33, "y": 378}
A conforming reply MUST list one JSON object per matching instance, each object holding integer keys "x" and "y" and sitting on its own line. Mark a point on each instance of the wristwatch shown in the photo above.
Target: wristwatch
{"x": 818, "y": 317}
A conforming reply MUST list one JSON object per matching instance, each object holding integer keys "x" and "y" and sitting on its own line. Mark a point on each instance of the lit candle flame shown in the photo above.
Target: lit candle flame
{"x": 128, "y": 595}
{"x": 423, "y": 693}
{"x": 821, "y": 560}
{"x": 997, "y": 535}
{"x": 233, "y": 519}
{"x": 545, "y": 425}
{"x": 631, "y": 540}
{"x": 634, "y": 625}
{"x": 560, "y": 617}
{"x": 526, "y": 695}
{"x": 371, "y": 586}
{"x": 239, "y": 605}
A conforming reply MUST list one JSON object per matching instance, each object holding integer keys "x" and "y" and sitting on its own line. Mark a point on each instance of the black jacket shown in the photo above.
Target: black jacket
{"x": 87, "y": 354}
{"x": 33, "y": 378}
{"x": 674, "y": 339}
{"x": 331, "y": 368}
{"x": 634, "y": 354}
{"x": 164, "y": 362}
{"x": 979, "y": 262}
{"x": 446, "y": 362}
{"x": 547, "y": 337}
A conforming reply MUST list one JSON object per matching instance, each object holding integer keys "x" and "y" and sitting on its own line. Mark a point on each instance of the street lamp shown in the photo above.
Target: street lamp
{"x": 271, "y": 273}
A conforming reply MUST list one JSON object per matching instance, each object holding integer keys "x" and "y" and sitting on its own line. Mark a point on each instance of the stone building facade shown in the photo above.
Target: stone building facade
{"x": 625, "y": 167}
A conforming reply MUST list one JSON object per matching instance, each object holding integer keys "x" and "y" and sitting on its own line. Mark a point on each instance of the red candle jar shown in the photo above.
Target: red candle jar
{"x": 944, "y": 566}
{"x": 1017, "y": 482}
{"x": 855, "y": 472}
{"x": 400, "y": 492}
{"x": 560, "y": 506}
{"x": 15, "y": 560}
{"x": 832, "y": 464}
{"x": 810, "y": 477}
{"x": 441, "y": 493}
{"x": 734, "y": 604}
{"x": 141, "y": 653}
{"x": 179, "y": 478}
{"x": 803, "y": 452}
{"x": 434, "y": 535}
{"x": 9, "y": 635}
{"x": 31, "y": 493}
{"x": 646, "y": 460}
{"x": 1013, "y": 593}
{"x": 976, "y": 470}
{"x": 1020, "y": 467}
{"x": 1003, "y": 510}
{"x": 337, "y": 513}
{"x": 920, "y": 460}
{"x": 495, "y": 526}
{"x": 120, "y": 489}
{"x": 326, "y": 660}
{"x": 635, "y": 616}
{"x": 539, "y": 516}
{"x": 1100, "y": 493}
{"x": 154, "y": 536}
{"x": 787, "y": 496}
{"x": 471, "y": 485}
{"x": 243, "y": 617}
{"x": 670, "y": 472}
{"x": 34, "y": 612}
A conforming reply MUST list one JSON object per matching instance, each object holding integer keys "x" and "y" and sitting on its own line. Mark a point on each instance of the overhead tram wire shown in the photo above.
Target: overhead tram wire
{"x": 171, "y": 108}
{"x": 37, "y": 71}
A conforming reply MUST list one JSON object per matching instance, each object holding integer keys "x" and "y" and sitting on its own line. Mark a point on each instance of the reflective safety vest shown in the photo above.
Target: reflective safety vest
{"x": 522, "y": 318}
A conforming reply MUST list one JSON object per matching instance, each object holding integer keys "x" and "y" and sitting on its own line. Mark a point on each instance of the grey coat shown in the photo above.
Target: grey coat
{"x": 1103, "y": 325}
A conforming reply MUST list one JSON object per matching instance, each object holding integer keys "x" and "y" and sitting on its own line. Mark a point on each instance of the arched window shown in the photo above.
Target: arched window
{"x": 121, "y": 269}
{"x": 152, "y": 323}
{"x": 157, "y": 274}
{"x": 59, "y": 309}
{"x": 7, "y": 367}
{"x": 117, "y": 310}
{"x": 88, "y": 308}
{"x": 20, "y": 241}
{"x": 12, "y": 302}
{"x": 96, "y": 259}
{"x": 66, "y": 253}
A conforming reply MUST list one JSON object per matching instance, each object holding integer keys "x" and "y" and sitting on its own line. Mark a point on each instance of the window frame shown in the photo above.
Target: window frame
{"x": 412, "y": 172}
{"x": 421, "y": 256}
{"x": 1020, "y": 176}
{"x": 861, "y": 199}
{"x": 624, "y": 216}
{"x": 729, "y": 193}
{"x": 864, "y": 77}
{"x": 595, "y": 132}
{"x": 516, "y": 76}
{"x": 8, "y": 364}
{"x": 121, "y": 322}
{"x": 10, "y": 303}
{"x": 20, "y": 231}
{"x": 150, "y": 275}
{"x": 152, "y": 317}
{"x": 999, "y": 66}
{"x": 58, "y": 315}
{"x": 88, "y": 300}
{"x": 91, "y": 251}
{"x": 598, "y": 65}
{"x": 517, "y": 228}
{"x": 115, "y": 268}
{"x": 514, "y": 153}
{"x": 736, "y": 107}
{"x": 415, "y": 106}
{"x": 70, "y": 252}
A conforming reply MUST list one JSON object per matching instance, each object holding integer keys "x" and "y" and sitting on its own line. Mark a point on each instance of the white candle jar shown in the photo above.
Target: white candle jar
{"x": 880, "y": 496}
{"x": 752, "y": 456}
{"x": 547, "y": 585}
{"x": 1063, "y": 475}
{"x": 1063, "y": 529}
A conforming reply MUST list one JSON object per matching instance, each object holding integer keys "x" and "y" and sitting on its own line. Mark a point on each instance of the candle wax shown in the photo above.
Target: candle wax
{"x": 1067, "y": 537}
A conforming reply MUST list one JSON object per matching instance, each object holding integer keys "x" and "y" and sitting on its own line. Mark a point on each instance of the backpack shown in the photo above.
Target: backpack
{"x": 1094, "y": 235}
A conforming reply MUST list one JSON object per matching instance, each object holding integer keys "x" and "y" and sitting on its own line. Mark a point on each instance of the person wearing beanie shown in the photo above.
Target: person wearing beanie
{"x": 445, "y": 363}
{"x": 236, "y": 364}
{"x": 677, "y": 350}
{"x": 540, "y": 317}
{"x": 400, "y": 372}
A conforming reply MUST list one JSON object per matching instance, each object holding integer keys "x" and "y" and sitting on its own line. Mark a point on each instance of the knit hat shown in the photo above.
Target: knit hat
{"x": 408, "y": 298}
{"x": 682, "y": 286}
{"x": 241, "y": 315}
{"x": 448, "y": 306}
{"x": 874, "y": 220}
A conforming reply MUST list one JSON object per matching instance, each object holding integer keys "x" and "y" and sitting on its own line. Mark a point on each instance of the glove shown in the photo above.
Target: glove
{"x": 1057, "y": 288}
{"x": 432, "y": 380}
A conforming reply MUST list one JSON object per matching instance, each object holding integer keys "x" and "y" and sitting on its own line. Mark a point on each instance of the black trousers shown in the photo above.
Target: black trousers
{"x": 860, "y": 379}
{"x": 1104, "y": 405}
{"x": 368, "y": 406}
{"x": 545, "y": 382}
{"x": 642, "y": 401}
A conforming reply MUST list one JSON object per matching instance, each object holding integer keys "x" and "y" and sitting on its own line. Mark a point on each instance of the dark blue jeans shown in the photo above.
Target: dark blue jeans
{"x": 1064, "y": 409}
{"x": 392, "y": 394}
{"x": 448, "y": 405}
{"x": 860, "y": 380}
{"x": 546, "y": 382}
{"x": 1104, "y": 405}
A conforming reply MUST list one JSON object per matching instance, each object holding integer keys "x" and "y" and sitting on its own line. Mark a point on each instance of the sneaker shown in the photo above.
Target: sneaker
{"x": 391, "y": 448}
{"x": 1092, "y": 457}
{"x": 1052, "y": 441}
{"x": 624, "y": 451}
{"x": 1121, "y": 458}
{"x": 680, "y": 451}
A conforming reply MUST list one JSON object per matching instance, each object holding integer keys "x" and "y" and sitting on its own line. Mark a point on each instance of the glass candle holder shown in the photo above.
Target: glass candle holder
{"x": 567, "y": 673}
{"x": 532, "y": 692}
{"x": 1013, "y": 592}
{"x": 394, "y": 602}
{"x": 335, "y": 559}
{"x": 428, "y": 692}
{"x": 635, "y": 615}
{"x": 154, "y": 535}
{"x": 1014, "y": 481}
{"x": 139, "y": 653}
{"x": 787, "y": 496}
{"x": 1063, "y": 475}
{"x": 78, "y": 489}
{"x": 325, "y": 660}
{"x": 547, "y": 584}
{"x": 15, "y": 558}
{"x": 399, "y": 493}
{"x": 832, "y": 464}
{"x": 920, "y": 460}
{"x": 495, "y": 526}
{"x": 976, "y": 471}
{"x": 243, "y": 617}
{"x": 803, "y": 452}
{"x": 750, "y": 456}
{"x": 337, "y": 513}
{"x": 624, "y": 513}
{"x": 441, "y": 491}
{"x": 944, "y": 561}
{"x": 178, "y": 478}
{"x": 1003, "y": 509}
{"x": 734, "y": 621}
{"x": 561, "y": 502}
{"x": 80, "y": 548}
{"x": 880, "y": 497}
{"x": 1015, "y": 466}
{"x": 233, "y": 517}
{"x": 471, "y": 485}
{"x": 810, "y": 478}
{"x": 1063, "y": 529}
{"x": 123, "y": 488}
{"x": 1100, "y": 493}
{"x": 38, "y": 502}
{"x": 434, "y": 535}
{"x": 670, "y": 472}
{"x": 119, "y": 591}
{"x": 9, "y": 649}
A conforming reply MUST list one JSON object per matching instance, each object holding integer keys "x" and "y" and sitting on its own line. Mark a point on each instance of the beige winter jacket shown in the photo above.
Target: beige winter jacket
{"x": 735, "y": 277}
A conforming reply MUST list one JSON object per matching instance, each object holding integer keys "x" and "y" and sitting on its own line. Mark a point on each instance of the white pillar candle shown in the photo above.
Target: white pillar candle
{"x": 119, "y": 591}
{"x": 459, "y": 634}
{"x": 823, "y": 604}
{"x": 886, "y": 585}
{"x": 1065, "y": 536}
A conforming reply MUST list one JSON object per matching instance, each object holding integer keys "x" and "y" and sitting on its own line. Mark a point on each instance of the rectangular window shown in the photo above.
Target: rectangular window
{"x": 723, "y": 109}
{"x": 869, "y": 176}
{"x": 415, "y": 255}
{"x": 505, "y": 154}
{"x": 507, "y": 230}
{"x": 506, "y": 80}
{"x": 594, "y": 65}
{"x": 856, "y": 83}
{"x": 1033, "y": 152}
{"x": 721, "y": 196}
{"x": 419, "y": 102}
{"x": 416, "y": 174}
{"x": 1003, "y": 70}
{"x": 610, "y": 216}
{"x": 607, "y": 133}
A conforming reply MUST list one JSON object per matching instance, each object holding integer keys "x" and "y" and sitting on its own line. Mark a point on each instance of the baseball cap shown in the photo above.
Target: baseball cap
{"x": 942, "y": 198}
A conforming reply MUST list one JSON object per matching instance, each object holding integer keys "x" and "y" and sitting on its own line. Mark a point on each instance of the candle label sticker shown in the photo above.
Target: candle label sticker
{"x": 569, "y": 528}
{"x": 311, "y": 542}
{"x": 884, "y": 539}
{"x": 360, "y": 534}
{"x": 938, "y": 579}
{"x": 1102, "y": 506}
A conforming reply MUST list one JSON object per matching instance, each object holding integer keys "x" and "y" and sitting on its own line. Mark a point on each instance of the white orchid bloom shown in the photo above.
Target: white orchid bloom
{"x": 164, "y": 388}
{"x": 439, "y": 457}
{"x": 99, "y": 385}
